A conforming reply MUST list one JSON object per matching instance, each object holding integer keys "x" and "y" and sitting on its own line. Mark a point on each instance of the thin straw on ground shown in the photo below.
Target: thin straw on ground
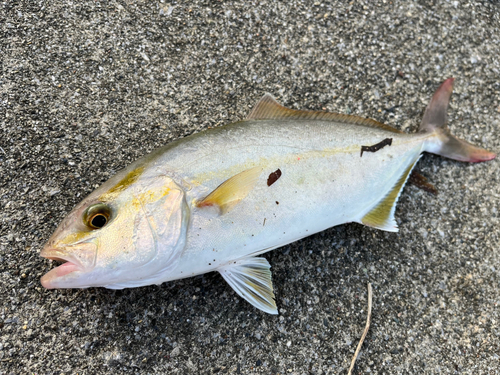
{"x": 368, "y": 320}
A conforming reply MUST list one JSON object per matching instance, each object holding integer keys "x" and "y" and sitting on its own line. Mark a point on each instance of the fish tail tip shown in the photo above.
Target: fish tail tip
{"x": 446, "y": 144}
{"x": 485, "y": 155}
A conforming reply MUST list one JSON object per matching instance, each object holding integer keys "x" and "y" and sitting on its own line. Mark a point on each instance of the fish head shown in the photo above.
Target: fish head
{"x": 129, "y": 232}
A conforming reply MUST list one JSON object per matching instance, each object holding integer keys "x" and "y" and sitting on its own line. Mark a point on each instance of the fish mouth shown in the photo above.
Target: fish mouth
{"x": 69, "y": 264}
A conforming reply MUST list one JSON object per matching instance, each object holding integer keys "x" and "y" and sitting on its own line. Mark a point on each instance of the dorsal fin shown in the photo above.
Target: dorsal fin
{"x": 268, "y": 108}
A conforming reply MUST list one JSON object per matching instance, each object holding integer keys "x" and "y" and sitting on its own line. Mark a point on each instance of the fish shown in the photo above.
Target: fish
{"x": 217, "y": 199}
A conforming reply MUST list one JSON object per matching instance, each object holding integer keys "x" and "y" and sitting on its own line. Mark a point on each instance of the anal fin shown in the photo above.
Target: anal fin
{"x": 251, "y": 279}
{"x": 382, "y": 215}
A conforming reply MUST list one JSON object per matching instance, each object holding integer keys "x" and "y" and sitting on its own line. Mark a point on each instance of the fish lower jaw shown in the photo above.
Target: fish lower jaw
{"x": 52, "y": 279}
{"x": 49, "y": 280}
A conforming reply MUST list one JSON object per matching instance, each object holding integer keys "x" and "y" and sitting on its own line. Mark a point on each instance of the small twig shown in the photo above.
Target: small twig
{"x": 368, "y": 320}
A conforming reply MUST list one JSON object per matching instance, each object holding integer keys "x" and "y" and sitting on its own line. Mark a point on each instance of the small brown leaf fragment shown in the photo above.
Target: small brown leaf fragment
{"x": 421, "y": 182}
{"x": 273, "y": 177}
{"x": 376, "y": 147}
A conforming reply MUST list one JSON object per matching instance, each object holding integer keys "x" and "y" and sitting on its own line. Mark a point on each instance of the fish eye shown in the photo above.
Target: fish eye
{"x": 97, "y": 216}
{"x": 98, "y": 221}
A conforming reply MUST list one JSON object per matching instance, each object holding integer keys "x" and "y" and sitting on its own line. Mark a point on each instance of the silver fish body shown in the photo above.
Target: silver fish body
{"x": 318, "y": 187}
{"x": 215, "y": 200}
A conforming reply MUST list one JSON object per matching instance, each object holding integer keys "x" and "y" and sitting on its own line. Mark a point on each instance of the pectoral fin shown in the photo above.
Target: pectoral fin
{"x": 233, "y": 190}
{"x": 251, "y": 279}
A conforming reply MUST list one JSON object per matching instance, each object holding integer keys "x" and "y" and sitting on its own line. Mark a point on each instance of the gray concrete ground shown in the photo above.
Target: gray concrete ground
{"x": 86, "y": 87}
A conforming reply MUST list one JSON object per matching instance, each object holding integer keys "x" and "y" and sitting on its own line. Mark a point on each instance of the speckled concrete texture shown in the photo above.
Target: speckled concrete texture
{"x": 86, "y": 87}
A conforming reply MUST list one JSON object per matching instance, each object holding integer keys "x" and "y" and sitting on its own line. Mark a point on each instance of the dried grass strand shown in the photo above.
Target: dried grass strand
{"x": 367, "y": 327}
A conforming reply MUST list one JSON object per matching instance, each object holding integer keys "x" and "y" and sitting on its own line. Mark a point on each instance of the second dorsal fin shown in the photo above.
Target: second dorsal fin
{"x": 268, "y": 108}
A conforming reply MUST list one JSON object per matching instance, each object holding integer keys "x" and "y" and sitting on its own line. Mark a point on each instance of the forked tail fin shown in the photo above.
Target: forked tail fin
{"x": 446, "y": 144}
